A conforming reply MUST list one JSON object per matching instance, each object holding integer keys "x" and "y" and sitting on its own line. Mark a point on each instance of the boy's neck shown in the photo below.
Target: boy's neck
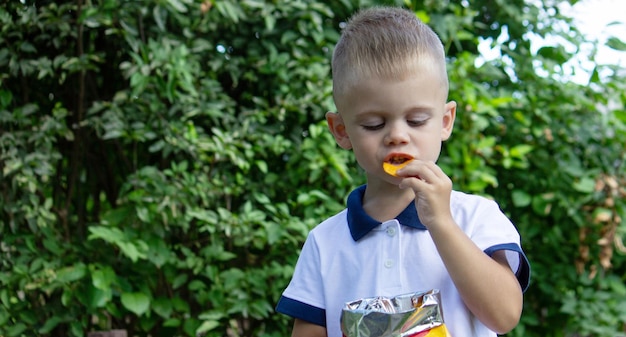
{"x": 384, "y": 202}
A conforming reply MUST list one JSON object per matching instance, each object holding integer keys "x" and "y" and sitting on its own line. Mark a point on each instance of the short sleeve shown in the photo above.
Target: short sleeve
{"x": 517, "y": 261}
{"x": 493, "y": 231}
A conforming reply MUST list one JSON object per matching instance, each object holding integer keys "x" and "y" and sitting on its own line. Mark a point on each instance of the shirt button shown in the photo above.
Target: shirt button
{"x": 391, "y": 231}
{"x": 389, "y": 263}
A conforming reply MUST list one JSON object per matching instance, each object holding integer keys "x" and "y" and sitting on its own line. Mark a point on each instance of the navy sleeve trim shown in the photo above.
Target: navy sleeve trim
{"x": 303, "y": 311}
{"x": 523, "y": 270}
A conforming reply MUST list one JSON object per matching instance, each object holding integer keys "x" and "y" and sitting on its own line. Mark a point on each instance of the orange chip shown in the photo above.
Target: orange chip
{"x": 392, "y": 168}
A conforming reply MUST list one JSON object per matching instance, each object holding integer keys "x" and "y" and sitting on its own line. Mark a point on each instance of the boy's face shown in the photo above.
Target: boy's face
{"x": 384, "y": 119}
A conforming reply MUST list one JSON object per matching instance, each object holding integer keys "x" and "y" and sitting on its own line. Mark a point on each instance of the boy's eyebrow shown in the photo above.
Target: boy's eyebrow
{"x": 423, "y": 109}
{"x": 411, "y": 110}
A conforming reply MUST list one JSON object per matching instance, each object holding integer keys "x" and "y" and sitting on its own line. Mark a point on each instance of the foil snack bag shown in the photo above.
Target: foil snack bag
{"x": 410, "y": 315}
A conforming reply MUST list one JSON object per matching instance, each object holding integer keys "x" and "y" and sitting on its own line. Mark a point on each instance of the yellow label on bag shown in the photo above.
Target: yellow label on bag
{"x": 439, "y": 331}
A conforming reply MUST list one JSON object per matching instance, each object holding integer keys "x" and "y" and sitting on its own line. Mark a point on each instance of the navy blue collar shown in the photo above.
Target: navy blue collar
{"x": 360, "y": 223}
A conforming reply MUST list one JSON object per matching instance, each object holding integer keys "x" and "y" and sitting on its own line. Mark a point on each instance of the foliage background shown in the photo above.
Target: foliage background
{"x": 162, "y": 161}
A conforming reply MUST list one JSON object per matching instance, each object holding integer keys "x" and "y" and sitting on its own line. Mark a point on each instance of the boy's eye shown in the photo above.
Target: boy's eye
{"x": 417, "y": 122}
{"x": 373, "y": 127}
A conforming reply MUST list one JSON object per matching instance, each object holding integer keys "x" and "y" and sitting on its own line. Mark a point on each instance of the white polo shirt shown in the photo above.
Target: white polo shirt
{"x": 351, "y": 256}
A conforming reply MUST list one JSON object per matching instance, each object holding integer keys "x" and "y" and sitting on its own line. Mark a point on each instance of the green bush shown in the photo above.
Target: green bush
{"x": 162, "y": 162}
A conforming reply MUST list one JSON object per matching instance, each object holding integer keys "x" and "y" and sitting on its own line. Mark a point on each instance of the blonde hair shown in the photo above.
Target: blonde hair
{"x": 386, "y": 43}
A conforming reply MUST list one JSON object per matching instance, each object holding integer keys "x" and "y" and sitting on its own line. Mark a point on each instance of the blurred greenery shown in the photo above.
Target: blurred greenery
{"x": 161, "y": 162}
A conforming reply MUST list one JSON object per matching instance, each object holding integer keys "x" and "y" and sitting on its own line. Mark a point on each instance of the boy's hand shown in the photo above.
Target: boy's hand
{"x": 432, "y": 189}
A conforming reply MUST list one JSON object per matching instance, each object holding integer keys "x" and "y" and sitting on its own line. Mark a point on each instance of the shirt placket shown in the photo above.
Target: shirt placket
{"x": 391, "y": 259}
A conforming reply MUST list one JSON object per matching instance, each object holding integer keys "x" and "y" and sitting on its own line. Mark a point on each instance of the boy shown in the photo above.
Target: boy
{"x": 409, "y": 232}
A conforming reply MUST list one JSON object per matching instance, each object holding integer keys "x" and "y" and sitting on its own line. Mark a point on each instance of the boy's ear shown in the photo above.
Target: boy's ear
{"x": 338, "y": 128}
{"x": 449, "y": 115}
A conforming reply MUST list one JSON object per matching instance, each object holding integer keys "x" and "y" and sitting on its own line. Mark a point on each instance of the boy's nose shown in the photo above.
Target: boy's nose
{"x": 396, "y": 135}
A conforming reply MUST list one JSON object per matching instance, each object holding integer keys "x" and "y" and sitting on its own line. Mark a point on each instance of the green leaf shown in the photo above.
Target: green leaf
{"x": 520, "y": 151}
{"x": 159, "y": 252}
{"x": 229, "y": 10}
{"x": 270, "y": 22}
{"x": 71, "y": 274}
{"x": 28, "y": 47}
{"x": 93, "y": 297}
{"x": 196, "y": 285}
{"x": 207, "y": 326}
{"x": 180, "y": 305}
{"x": 108, "y": 234}
{"x": 162, "y": 306}
{"x": 76, "y": 328}
{"x": 262, "y": 165}
{"x": 584, "y": 185}
{"x": 134, "y": 250}
{"x": 137, "y": 303}
{"x": 521, "y": 198}
{"x": 15, "y": 330}
{"x": 178, "y": 6}
{"x": 159, "y": 17}
{"x": 557, "y": 54}
{"x": 179, "y": 281}
{"x": 4, "y": 316}
{"x": 172, "y": 323}
{"x": 615, "y": 43}
{"x": 542, "y": 204}
{"x": 5, "y": 98}
{"x": 102, "y": 278}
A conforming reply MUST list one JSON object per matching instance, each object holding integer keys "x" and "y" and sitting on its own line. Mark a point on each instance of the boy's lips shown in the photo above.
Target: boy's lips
{"x": 398, "y": 158}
